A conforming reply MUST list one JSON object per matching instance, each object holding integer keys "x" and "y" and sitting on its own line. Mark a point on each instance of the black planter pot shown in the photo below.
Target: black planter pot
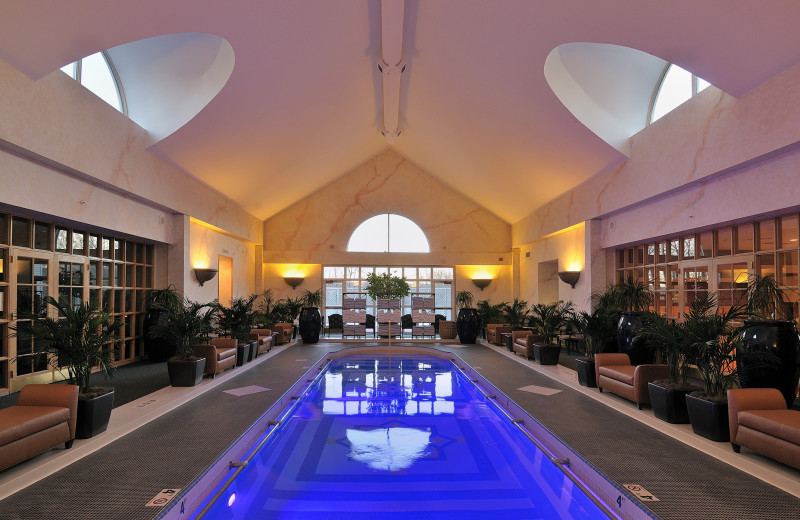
{"x": 156, "y": 349}
{"x": 770, "y": 357}
{"x": 185, "y": 372}
{"x": 467, "y": 325}
{"x": 669, "y": 404}
{"x": 93, "y": 415}
{"x": 310, "y": 324}
{"x": 709, "y": 419}
{"x": 629, "y": 325}
{"x": 242, "y": 353}
{"x": 546, "y": 354}
{"x": 253, "y": 351}
{"x": 586, "y": 373}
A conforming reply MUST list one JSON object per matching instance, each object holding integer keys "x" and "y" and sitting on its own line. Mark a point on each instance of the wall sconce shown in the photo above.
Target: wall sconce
{"x": 294, "y": 281}
{"x": 204, "y": 274}
{"x": 481, "y": 283}
{"x": 569, "y": 277}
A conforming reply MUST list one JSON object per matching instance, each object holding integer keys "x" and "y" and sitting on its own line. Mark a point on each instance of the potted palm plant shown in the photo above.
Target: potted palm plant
{"x": 158, "y": 304}
{"x": 489, "y": 313}
{"x": 467, "y": 318}
{"x": 81, "y": 338}
{"x": 310, "y": 321}
{"x": 516, "y": 313}
{"x": 712, "y": 339}
{"x": 671, "y": 340}
{"x": 633, "y": 298}
{"x": 387, "y": 287}
{"x": 236, "y": 321}
{"x": 769, "y": 356}
{"x": 546, "y": 319}
{"x": 598, "y": 328}
{"x": 186, "y": 327}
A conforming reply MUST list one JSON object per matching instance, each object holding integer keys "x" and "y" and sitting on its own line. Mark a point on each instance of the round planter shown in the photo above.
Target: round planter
{"x": 310, "y": 324}
{"x": 467, "y": 325}
{"x": 447, "y": 329}
{"x": 186, "y": 372}
{"x": 770, "y": 357}
{"x": 156, "y": 349}
{"x": 629, "y": 325}
{"x": 709, "y": 418}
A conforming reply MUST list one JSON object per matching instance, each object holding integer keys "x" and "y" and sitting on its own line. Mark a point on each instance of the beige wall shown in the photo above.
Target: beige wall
{"x": 205, "y": 247}
{"x": 315, "y": 231}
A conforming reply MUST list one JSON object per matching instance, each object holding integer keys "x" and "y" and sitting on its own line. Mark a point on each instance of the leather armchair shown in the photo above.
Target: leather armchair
{"x": 285, "y": 331}
{"x": 616, "y": 374}
{"x": 522, "y": 342}
{"x": 493, "y": 331}
{"x": 220, "y": 354}
{"x": 263, "y": 337}
{"x": 758, "y": 420}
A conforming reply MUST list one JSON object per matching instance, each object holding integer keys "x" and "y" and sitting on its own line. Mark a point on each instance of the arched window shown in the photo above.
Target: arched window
{"x": 676, "y": 87}
{"x": 388, "y": 233}
{"x": 96, "y": 73}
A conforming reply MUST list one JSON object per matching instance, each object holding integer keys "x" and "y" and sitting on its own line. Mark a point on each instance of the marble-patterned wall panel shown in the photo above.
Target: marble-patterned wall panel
{"x": 768, "y": 187}
{"x": 711, "y": 135}
{"x": 38, "y": 188}
{"x": 57, "y": 121}
{"x": 388, "y": 183}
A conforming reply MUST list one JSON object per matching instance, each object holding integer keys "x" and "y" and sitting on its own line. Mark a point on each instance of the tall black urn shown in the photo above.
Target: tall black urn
{"x": 310, "y": 324}
{"x": 770, "y": 357}
{"x": 629, "y": 325}
{"x": 467, "y": 325}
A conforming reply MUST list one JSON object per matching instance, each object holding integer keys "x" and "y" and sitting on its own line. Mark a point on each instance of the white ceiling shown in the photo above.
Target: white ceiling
{"x": 303, "y": 104}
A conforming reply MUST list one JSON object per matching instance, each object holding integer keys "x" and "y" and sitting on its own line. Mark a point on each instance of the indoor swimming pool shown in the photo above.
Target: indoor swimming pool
{"x": 401, "y": 436}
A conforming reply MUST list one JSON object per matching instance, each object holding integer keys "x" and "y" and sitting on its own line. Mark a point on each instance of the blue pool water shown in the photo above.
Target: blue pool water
{"x": 402, "y": 437}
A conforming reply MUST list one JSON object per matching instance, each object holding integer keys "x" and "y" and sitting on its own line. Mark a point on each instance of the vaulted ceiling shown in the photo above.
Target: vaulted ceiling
{"x": 304, "y": 101}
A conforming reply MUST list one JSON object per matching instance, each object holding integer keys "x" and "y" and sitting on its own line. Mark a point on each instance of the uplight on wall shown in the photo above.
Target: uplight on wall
{"x": 293, "y": 281}
{"x": 569, "y": 277}
{"x": 481, "y": 283}
{"x": 204, "y": 274}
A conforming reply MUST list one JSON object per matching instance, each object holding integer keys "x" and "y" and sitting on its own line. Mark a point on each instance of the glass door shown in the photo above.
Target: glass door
{"x": 32, "y": 288}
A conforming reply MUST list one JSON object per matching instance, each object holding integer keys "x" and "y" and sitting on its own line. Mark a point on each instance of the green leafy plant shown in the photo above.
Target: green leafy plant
{"x": 238, "y": 319}
{"x": 187, "y": 326}
{"x": 266, "y": 306}
{"x": 548, "y": 318}
{"x": 312, "y": 298}
{"x": 464, "y": 299}
{"x": 766, "y": 298}
{"x": 516, "y": 313}
{"x": 597, "y": 328}
{"x": 81, "y": 338}
{"x": 671, "y": 340}
{"x": 166, "y": 299}
{"x": 712, "y": 339}
{"x": 630, "y": 295}
{"x": 386, "y": 286}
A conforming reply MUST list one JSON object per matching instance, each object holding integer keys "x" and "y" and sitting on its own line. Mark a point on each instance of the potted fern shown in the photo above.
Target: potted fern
{"x": 236, "y": 321}
{"x": 467, "y": 318}
{"x": 598, "y": 328}
{"x": 79, "y": 339}
{"x": 546, "y": 320}
{"x": 633, "y": 298}
{"x": 158, "y": 304}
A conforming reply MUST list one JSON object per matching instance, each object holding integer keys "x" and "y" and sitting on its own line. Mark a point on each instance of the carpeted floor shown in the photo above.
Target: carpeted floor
{"x": 130, "y": 382}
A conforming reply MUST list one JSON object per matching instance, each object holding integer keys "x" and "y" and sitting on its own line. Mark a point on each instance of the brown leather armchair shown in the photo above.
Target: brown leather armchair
{"x": 220, "y": 354}
{"x": 616, "y": 374}
{"x": 758, "y": 419}
{"x": 285, "y": 331}
{"x": 263, "y": 337}
{"x": 522, "y": 342}
{"x": 493, "y": 331}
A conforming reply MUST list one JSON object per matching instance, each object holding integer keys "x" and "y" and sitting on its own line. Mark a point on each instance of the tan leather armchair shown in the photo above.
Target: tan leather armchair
{"x": 220, "y": 354}
{"x": 284, "y": 331}
{"x": 616, "y": 374}
{"x": 493, "y": 331}
{"x": 263, "y": 337}
{"x": 758, "y": 420}
{"x": 522, "y": 342}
